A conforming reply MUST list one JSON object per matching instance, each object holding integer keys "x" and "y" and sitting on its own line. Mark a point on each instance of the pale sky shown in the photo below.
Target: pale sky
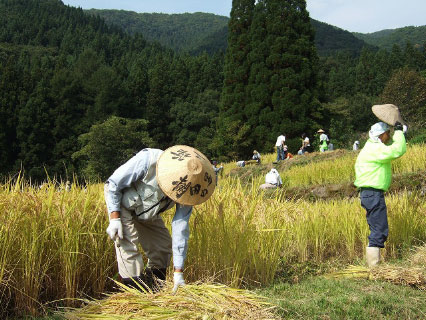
{"x": 353, "y": 15}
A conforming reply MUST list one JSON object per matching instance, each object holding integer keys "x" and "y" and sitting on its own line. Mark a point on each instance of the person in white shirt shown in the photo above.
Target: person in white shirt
{"x": 256, "y": 156}
{"x": 272, "y": 180}
{"x": 323, "y": 140}
{"x": 306, "y": 145}
{"x": 137, "y": 193}
{"x": 355, "y": 146}
{"x": 280, "y": 147}
{"x": 241, "y": 163}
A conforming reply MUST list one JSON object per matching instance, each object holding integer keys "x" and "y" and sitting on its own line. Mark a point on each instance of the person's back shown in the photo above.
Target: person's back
{"x": 272, "y": 180}
{"x": 279, "y": 144}
{"x": 241, "y": 163}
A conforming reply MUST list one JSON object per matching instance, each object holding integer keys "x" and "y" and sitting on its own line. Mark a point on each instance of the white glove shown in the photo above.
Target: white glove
{"x": 404, "y": 128}
{"x": 178, "y": 281}
{"x": 115, "y": 228}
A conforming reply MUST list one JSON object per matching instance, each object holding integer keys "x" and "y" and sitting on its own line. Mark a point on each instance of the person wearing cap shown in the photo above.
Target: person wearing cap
{"x": 272, "y": 180}
{"x": 279, "y": 144}
{"x": 136, "y": 194}
{"x": 323, "y": 140}
{"x": 355, "y": 146}
{"x": 256, "y": 156}
{"x": 373, "y": 177}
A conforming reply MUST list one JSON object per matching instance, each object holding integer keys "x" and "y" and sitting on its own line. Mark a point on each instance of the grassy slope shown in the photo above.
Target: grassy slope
{"x": 320, "y": 298}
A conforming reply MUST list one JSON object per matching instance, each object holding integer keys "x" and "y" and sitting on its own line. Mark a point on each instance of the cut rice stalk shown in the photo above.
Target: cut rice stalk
{"x": 410, "y": 276}
{"x": 193, "y": 301}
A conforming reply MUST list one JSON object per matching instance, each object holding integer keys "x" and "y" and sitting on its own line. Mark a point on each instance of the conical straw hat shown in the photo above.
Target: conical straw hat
{"x": 388, "y": 113}
{"x": 185, "y": 175}
{"x": 320, "y": 131}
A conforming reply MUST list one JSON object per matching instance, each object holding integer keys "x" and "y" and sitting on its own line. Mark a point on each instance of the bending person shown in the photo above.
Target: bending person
{"x": 137, "y": 193}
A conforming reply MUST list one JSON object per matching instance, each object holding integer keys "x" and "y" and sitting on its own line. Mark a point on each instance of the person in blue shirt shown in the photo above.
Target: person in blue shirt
{"x": 137, "y": 193}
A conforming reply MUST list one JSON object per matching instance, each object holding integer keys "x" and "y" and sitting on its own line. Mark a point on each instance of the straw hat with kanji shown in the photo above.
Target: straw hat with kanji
{"x": 388, "y": 113}
{"x": 185, "y": 175}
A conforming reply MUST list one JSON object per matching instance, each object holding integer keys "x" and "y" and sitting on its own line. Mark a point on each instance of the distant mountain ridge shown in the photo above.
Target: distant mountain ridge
{"x": 197, "y": 32}
{"x": 180, "y": 32}
{"x": 387, "y": 38}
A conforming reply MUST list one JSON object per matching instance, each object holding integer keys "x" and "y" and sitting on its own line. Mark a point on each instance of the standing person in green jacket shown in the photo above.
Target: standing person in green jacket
{"x": 373, "y": 177}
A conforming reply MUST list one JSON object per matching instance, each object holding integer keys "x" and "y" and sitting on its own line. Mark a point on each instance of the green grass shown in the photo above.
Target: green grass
{"x": 320, "y": 298}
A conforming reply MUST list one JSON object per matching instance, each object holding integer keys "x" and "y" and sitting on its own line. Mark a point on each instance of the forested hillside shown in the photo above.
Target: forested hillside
{"x": 79, "y": 96}
{"x": 196, "y": 32}
{"x": 387, "y": 38}
{"x": 181, "y": 32}
{"x": 62, "y": 71}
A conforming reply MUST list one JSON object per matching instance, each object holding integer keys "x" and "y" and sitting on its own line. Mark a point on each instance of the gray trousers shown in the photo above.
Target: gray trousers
{"x": 373, "y": 201}
{"x": 152, "y": 235}
{"x": 154, "y": 238}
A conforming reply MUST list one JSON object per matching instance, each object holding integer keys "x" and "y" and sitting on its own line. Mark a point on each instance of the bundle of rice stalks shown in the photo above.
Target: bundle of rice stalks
{"x": 409, "y": 276}
{"x": 193, "y": 301}
{"x": 419, "y": 257}
{"x": 414, "y": 277}
{"x": 350, "y": 272}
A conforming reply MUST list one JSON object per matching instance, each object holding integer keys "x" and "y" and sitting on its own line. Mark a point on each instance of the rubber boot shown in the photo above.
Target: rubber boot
{"x": 373, "y": 256}
{"x": 139, "y": 283}
{"x": 155, "y": 278}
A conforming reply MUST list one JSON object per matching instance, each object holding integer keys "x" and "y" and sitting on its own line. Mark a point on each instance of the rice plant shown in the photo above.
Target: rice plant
{"x": 53, "y": 245}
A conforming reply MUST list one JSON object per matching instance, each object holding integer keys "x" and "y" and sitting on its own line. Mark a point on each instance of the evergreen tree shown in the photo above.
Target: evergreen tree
{"x": 34, "y": 133}
{"x": 11, "y": 91}
{"x": 276, "y": 93}
{"x": 232, "y": 131}
{"x": 159, "y": 99}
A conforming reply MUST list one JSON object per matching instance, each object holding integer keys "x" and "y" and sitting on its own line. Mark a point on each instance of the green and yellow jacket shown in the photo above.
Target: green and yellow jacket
{"x": 373, "y": 165}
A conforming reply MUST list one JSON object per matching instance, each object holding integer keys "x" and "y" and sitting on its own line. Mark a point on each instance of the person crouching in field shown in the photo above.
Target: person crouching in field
{"x": 137, "y": 193}
{"x": 272, "y": 180}
{"x": 256, "y": 156}
{"x": 373, "y": 177}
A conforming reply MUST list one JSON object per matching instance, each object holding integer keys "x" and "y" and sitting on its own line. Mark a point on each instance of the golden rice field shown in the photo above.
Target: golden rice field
{"x": 53, "y": 244}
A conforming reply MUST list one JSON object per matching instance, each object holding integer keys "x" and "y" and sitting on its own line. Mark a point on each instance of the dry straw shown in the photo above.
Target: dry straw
{"x": 409, "y": 276}
{"x": 414, "y": 275}
{"x": 195, "y": 301}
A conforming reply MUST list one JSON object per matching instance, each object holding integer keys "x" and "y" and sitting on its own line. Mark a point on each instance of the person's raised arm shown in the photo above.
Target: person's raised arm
{"x": 393, "y": 151}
